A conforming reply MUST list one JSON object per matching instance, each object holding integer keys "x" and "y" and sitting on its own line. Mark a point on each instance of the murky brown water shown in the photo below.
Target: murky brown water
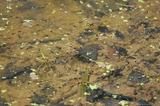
{"x": 71, "y": 52}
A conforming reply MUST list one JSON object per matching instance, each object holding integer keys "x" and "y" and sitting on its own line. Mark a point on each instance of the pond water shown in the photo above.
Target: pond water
{"x": 72, "y": 52}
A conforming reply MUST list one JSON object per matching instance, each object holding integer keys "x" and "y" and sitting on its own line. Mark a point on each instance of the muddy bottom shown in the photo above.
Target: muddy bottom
{"x": 83, "y": 53}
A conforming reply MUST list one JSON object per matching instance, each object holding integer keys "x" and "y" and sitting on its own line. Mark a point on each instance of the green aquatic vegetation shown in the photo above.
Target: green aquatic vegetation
{"x": 35, "y": 104}
{"x": 45, "y": 60}
{"x": 3, "y": 44}
{"x": 141, "y": 1}
{"x": 1, "y": 67}
{"x": 85, "y": 78}
{"x": 3, "y": 91}
{"x": 114, "y": 96}
{"x": 155, "y": 18}
{"x": 106, "y": 66}
{"x": 27, "y": 20}
{"x": 53, "y": 11}
{"x": 123, "y": 103}
{"x": 84, "y": 83}
{"x": 2, "y": 29}
{"x": 4, "y": 19}
{"x": 9, "y": 7}
{"x": 93, "y": 86}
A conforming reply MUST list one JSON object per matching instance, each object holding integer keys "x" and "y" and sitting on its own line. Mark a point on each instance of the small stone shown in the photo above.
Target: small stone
{"x": 28, "y": 24}
{"x": 33, "y": 76}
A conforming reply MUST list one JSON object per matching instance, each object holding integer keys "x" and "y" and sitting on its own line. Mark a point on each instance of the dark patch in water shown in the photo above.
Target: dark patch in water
{"x": 119, "y": 34}
{"x": 122, "y": 51}
{"x": 3, "y": 102}
{"x": 29, "y": 6}
{"x": 103, "y": 29}
{"x": 89, "y": 52}
{"x": 10, "y": 72}
{"x": 40, "y": 99}
{"x": 137, "y": 77}
{"x": 49, "y": 90}
{"x": 98, "y": 95}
